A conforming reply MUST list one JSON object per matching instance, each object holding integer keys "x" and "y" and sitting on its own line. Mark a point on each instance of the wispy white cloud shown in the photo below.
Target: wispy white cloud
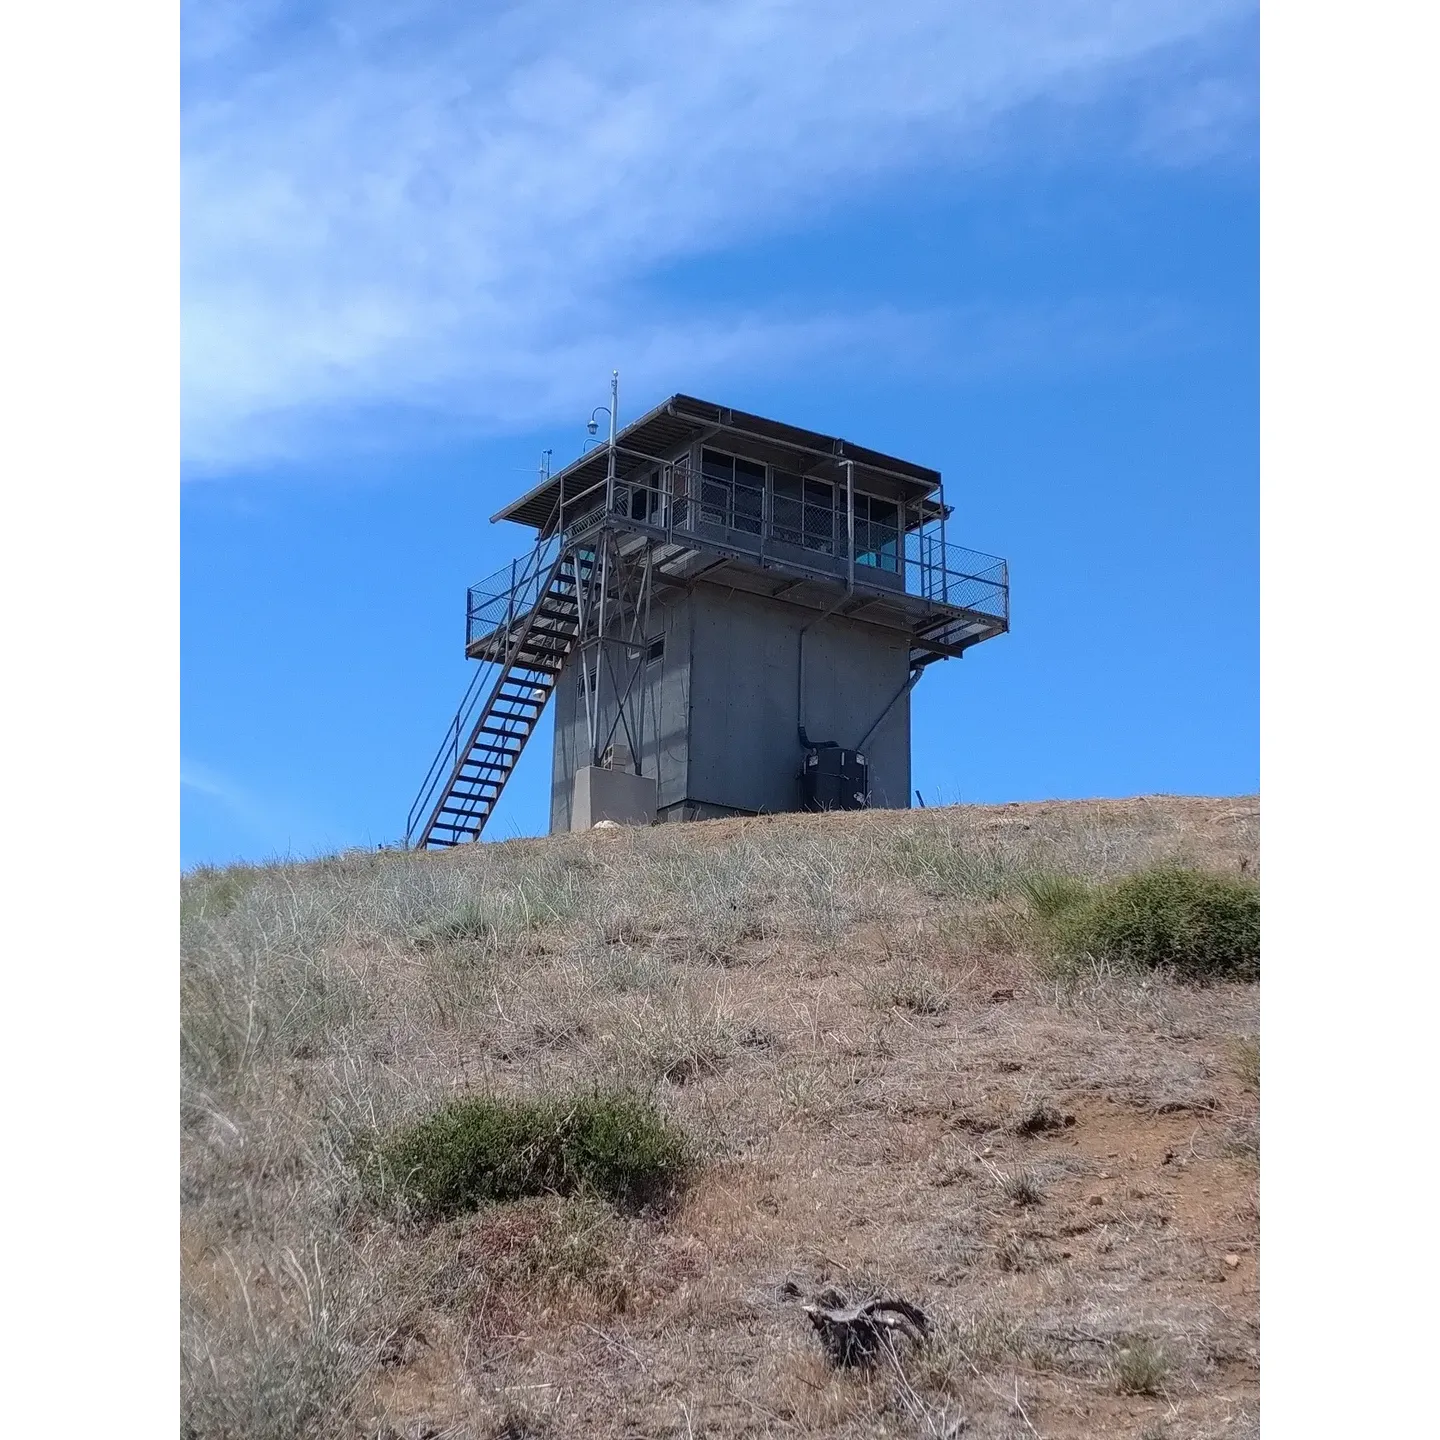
{"x": 261, "y": 819}
{"x": 234, "y": 799}
{"x": 454, "y": 210}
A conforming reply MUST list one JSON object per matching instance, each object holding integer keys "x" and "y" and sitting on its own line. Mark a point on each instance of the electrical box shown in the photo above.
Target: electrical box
{"x": 835, "y": 779}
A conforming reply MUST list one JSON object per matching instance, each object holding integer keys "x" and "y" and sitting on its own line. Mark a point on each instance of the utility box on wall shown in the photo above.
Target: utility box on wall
{"x": 835, "y": 779}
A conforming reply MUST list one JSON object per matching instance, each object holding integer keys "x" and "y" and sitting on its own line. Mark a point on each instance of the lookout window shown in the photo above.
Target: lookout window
{"x": 732, "y": 492}
{"x": 877, "y": 533}
{"x": 646, "y": 499}
{"x": 804, "y": 512}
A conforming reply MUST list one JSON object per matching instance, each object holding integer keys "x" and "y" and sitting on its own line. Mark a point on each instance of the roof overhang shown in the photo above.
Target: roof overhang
{"x": 682, "y": 420}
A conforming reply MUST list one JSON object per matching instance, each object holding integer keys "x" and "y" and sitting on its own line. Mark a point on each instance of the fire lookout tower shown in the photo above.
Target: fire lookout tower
{"x": 730, "y": 614}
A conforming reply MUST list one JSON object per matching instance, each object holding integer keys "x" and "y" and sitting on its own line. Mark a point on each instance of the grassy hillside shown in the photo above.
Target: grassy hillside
{"x": 877, "y": 1053}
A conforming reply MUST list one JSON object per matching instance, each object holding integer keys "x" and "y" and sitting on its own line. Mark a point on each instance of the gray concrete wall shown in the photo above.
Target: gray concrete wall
{"x": 744, "y": 752}
{"x": 668, "y": 720}
{"x": 569, "y": 751}
{"x": 720, "y": 731}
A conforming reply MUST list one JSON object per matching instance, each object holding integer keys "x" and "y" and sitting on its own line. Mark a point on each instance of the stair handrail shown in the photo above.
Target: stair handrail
{"x": 449, "y": 747}
{"x": 493, "y": 672}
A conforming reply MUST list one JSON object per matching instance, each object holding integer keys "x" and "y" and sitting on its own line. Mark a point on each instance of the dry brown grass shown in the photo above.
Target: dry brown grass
{"x": 885, "y": 1090}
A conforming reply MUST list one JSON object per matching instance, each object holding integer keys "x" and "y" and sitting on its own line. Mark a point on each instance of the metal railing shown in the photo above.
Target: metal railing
{"x": 499, "y": 606}
{"x": 505, "y": 598}
{"x": 447, "y": 757}
{"x": 679, "y": 505}
{"x": 953, "y": 575}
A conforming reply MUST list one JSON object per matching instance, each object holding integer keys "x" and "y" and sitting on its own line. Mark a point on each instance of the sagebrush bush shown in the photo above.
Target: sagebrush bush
{"x": 914, "y": 988}
{"x": 1139, "y": 1366}
{"x": 485, "y": 1149}
{"x": 213, "y": 893}
{"x": 470, "y": 922}
{"x": 1023, "y": 1187}
{"x": 1194, "y": 923}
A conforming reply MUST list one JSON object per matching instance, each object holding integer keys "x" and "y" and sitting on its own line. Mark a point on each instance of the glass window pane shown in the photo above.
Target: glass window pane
{"x": 714, "y": 501}
{"x": 818, "y": 523}
{"x": 787, "y": 492}
{"x": 749, "y": 507}
{"x": 877, "y": 533}
{"x": 717, "y": 466}
{"x": 717, "y": 479}
{"x": 749, "y": 496}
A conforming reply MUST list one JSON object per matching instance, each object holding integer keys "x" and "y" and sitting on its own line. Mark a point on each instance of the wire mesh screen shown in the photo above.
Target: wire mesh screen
{"x": 503, "y": 599}
{"x": 953, "y": 575}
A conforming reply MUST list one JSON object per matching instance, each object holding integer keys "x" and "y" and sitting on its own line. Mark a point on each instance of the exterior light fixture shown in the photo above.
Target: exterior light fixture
{"x": 592, "y": 425}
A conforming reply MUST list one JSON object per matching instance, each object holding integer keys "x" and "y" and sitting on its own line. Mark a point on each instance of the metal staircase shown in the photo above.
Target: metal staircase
{"x": 523, "y": 636}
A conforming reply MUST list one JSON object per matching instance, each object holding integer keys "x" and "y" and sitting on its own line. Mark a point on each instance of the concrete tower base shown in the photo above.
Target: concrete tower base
{"x": 617, "y": 795}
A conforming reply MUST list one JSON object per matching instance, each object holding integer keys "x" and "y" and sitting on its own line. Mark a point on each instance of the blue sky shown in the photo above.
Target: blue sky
{"x": 1018, "y": 242}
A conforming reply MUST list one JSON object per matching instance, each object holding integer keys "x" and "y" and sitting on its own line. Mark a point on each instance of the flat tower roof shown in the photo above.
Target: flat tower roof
{"x": 682, "y": 419}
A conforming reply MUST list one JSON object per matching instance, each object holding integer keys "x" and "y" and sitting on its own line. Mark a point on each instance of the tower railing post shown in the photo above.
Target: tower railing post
{"x": 850, "y": 523}
{"x": 510, "y": 608}
{"x": 944, "y": 559}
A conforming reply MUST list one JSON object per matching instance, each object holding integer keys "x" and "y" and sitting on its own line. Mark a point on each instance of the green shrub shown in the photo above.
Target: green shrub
{"x": 484, "y": 1149}
{"x": 1199, "y": 925}
{"x": 1051, "y": 896}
